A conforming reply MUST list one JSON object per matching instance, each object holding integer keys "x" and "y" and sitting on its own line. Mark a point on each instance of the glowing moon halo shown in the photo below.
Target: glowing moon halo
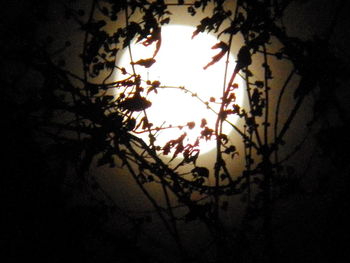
{"x": 179, "y": 63}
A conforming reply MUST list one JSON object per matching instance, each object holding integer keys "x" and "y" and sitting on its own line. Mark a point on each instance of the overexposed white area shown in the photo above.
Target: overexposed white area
{"x": 179, "y": 63}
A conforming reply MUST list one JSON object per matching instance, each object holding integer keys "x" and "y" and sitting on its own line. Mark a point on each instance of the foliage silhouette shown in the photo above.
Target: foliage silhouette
{"x": 80, "y": 122}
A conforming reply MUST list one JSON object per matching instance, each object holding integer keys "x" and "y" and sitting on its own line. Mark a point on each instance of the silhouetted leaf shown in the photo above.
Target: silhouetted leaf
{"x": 191, "y": 125}
{"x": 154, "y": 85}
{"x": 224, "y": 48}
{"x": 200, "y": 171}
{"x": 231, "y": 30}
{"x": 165, "y": 21}
{"x": 145, "y": 62}
{"x": 207, "y": 133}
{"x": 155, "y": 36}
{"x": 243, "y": 58}
{"x": 131, "y": 31}
{"x": 135, "y": 103}
{"x": 191, "y": 155}
{"x": 260, "y": 40}
{"x": 223, "y": 138}
{"x": 230, "y": 149}
{"x": 236, "y": 109}
{"x": 177, "y": 144}
{"x": 259, "y": 84}
{"x": 256, "y": 97}
{"x": 191, "y": 10}
{"x": 145, "y": 124}
{"x": 131, "y": 124}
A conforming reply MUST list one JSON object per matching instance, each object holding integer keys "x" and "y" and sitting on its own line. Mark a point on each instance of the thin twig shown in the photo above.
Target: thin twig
{"x": 255, "y": 128}
{"x": 86, "y": 38}
{"x": 289, "y": 120}
{"x": 149, "y": 197}
{"x": 266, "y": 122}
{"x": 278, "y": 109}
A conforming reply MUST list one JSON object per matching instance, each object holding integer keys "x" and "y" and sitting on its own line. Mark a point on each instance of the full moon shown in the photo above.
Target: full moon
{"x": 187, "y": 93}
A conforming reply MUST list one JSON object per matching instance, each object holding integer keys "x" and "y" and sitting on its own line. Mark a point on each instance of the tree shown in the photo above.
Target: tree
{"x": 81, "y": 123}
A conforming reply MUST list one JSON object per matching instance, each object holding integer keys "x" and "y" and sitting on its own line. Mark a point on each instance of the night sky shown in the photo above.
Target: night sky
{"x": 49, "y": 214}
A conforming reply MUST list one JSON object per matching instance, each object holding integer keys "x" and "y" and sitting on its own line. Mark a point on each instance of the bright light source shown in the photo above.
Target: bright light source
{"x": 179, "y": 63}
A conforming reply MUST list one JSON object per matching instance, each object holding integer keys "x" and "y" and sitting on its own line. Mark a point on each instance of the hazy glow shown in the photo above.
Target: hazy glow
{"x": 180, "y": 62}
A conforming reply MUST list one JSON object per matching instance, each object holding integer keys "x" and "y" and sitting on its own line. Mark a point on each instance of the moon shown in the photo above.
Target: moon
{"x": 187, "y": 90}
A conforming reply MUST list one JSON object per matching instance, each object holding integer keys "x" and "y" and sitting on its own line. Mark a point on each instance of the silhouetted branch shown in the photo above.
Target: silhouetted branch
{"x": 266, "y": 123}
{"x": 277, "y": 111}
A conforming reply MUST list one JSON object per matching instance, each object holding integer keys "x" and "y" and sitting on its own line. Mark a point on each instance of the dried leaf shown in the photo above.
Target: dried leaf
{"x": 224, "y": 48}
{"x": 144, "y": 62}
